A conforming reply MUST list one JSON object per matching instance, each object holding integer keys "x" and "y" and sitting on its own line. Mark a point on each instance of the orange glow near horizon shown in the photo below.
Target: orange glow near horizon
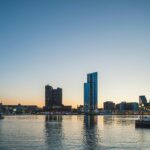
{"x": 42, "y": 103}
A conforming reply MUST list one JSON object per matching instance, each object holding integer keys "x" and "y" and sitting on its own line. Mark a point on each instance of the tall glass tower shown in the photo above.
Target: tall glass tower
{"x": 91, "y": 92}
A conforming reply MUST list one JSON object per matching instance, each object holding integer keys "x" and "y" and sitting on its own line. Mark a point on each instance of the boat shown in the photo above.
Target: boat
{"x": 143, "y": 123}
{"x": 1, "y": 116}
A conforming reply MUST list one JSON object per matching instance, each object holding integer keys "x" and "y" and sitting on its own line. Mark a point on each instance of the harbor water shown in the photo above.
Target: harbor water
{"x": 72, "y": 132}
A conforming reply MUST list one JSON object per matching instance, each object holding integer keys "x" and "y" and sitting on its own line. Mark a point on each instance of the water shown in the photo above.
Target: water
{"x": 72, "y": 133}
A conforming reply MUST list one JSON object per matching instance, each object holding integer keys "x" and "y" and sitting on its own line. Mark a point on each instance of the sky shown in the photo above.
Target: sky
{"x": 58, "y": 42}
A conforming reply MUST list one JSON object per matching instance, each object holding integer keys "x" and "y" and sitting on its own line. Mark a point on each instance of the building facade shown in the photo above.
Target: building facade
{"x": 91, "y": 92}
{"x": 48, "y": 96}
{"x": 1, "y": 107}
{"x": 130, "y": 106}
{"x": 53, "y": 97}
{"x": 19, "y": 109}
{"x": 142, "y": 100}
{"x": 109, "y": 105}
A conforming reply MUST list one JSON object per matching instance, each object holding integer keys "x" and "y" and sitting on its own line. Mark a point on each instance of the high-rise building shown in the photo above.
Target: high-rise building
{"x": 57, "y": 97}
{"x": 53, "y": 97}
{"x": 48, "y": 96}
{"x": 91, "y": 92}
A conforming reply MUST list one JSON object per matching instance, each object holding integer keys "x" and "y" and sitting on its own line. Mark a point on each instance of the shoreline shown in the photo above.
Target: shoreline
{"x": 74, "y": 114}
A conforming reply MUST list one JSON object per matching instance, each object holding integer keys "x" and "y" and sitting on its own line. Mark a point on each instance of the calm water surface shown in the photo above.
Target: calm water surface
{"x": 72, "y": 133}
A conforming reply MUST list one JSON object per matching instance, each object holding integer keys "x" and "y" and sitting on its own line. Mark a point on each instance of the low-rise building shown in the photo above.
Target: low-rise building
{"x": 19, "y": 109}
{"x": 130, "y": 106}
{"x": 109, "y": 106}
{"x": 80, "y": 109}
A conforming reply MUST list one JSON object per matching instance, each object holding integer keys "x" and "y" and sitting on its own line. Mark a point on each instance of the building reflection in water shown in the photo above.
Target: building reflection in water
{"x": 108, "y": 119}
{"x": 91, "y": 133}
{"x": 53, "y": 118}
{"x": 90, "y": 121}
{"x": 53, "y": 131}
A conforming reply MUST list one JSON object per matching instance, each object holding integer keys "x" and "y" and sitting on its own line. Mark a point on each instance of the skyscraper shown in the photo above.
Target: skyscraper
{"x": 57, "y": 97}
{"x": 48, "y": 96}
{"x": 53, "y": 97}
{"x": 91, "y": 92}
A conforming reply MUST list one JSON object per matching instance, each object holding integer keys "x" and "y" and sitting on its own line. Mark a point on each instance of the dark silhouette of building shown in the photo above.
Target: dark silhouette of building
{"x": 109, "y": 105}
{"x": 1, "y": 105}
{"x": 48, "y": 96}
{"x": 19, "y": 109}
{"x": 53, "y": 97}
{"x": 57, "y": 97}
{"x": 80, "y": 109}
{"x": 66, "y": 108}
{"x": 143, "y": 100}
{"x": 123, "y": 106}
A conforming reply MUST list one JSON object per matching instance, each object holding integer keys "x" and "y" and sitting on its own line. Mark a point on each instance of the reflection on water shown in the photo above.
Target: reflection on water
{"x": 91, "y": 134}
{"x": 72, "y": 133}
{"x": 53, "y": 129}
{"x": 53, "y": 118}
{"x": 90, "y": 121}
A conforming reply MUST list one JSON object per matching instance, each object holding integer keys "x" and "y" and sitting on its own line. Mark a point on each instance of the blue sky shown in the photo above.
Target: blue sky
{"x": 58, "y": 42}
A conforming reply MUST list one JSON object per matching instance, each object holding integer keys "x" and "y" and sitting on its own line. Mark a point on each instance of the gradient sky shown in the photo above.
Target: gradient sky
{"x": 58, "y": 42}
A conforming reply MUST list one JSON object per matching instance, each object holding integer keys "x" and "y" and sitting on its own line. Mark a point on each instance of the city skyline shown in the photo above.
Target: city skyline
{"x": 58, "y": 43}
{"x": 54, "y": 96}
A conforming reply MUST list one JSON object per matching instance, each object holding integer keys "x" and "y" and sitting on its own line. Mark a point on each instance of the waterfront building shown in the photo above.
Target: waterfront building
{"x": 142, "y": 100}
{"x": 1, "y": 105}
{"x": 57, "y": 97}
{"x": 53, "y": 97}
{"x": 66, "y": 108}
{"x": 91, "y": 92}
{"x": 20, "y": 109}
{"x": 144, "y": 103}
{"x": 109, "y": 105}
{"x": 80, "y": 109}
{"x": 130, "y": 106}
{"x": 122, "y": 106}
{"x": 48, "y": 96}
